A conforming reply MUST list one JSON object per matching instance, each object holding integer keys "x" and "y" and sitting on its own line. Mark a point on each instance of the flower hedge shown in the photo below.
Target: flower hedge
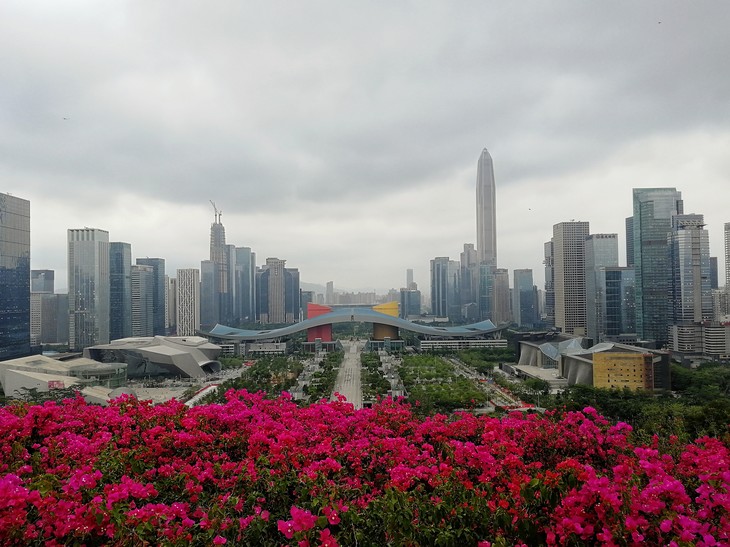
{"x": 254, "y": 471}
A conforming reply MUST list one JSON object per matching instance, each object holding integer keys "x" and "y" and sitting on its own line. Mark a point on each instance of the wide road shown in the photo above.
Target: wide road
{"x": 348, "y": 379}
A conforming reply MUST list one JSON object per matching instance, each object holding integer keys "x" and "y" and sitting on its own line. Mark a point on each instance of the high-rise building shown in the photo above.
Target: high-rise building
{"x": 209, "y": 295}
{"x": 306, "y": 298}
{"x": 329, "y": 294}
{"x": 14, "y": 277}
{"x": 410, "y": 284}
{"x": 143, "y": 290}
{"x": 501, "y": 305}
{"x": 245, "y": 286}
{"x": 714, "y": 279}
{"x": 469, "y": 281}
{"x": 220, "y": 256}
{"x": 42, "y": 281}
{"x": 486, "y": 211}
{"x": 158, "y": 293}
{"x": 720, "y": 304}
{"x": 120, "y": 290}
{"x": 410, "y": 303}
{"x": 570, "y": 278}
{"x": 524, "y": 298}
{"x": 440, "y": 286}
{"x": 277, "y": 292}
{"x": 653, "y": 212}
{"x": 170, "y": 304}
{"x": 48, "y": 318}
{"x": 187, "y": 301}
{"x": 615, "y": 305}
{"x": 486, "y": 290}
{"x": 549, "y": 305}
{"x": 292, "y": 293}
{"x": 41, "y": 288}
{"x": 454, "y": 298}
{"x": 601, "y": 251}
{"x": 691, "y": 294}
{"x": 630, "y": 242}
{"x": 727, "y": 256}
{"x": 88, "y": 287}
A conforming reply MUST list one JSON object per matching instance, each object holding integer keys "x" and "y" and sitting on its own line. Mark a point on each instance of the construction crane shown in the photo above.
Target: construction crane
{"x": 217, "y": 212}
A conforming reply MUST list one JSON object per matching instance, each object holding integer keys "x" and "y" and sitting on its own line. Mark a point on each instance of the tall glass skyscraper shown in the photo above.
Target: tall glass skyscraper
{"x": 158, "y": 293}
{"x": 220, "y": 256}
{"x": 88, "y": 287}
{"x": 616, "y": 303}
{"x": 440, "y": 286}
{"x": 524, "y": 301}
{"x": 690, "y": 261}
{"x": 549, "y": 285}
{"x": 143, "y": 290}
{"x": 120, "y": 290}
{"x": 277, "y": 290}
{"x": 209, "y": 301}
{"x": 486, "y": 211}
{"x": 654, "y": 209}
{"x": 245, "y": 285}
{"x": 601, "y": 251}
{"x": 14, "y": 277}
{"x": 727, "y": 257}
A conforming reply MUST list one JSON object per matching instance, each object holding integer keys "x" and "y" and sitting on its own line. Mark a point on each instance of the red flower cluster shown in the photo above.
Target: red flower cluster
{"x": 256, "y": 471}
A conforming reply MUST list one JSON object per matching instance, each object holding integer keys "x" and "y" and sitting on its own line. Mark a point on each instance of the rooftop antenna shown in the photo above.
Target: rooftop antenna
{"x": 217, "y": 212}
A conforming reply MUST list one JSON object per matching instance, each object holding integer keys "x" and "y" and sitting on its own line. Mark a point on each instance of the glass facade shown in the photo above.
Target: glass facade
{"x": 14, "y": 277}
{"x": 486, "y": 210}
{"x": 277, "y": 291}
{"x": 616, "y": 304}
{"x": 143, "y": 282}
{"x": 158, "y": 293}
{"x": 440, "y": 286}
{"x": 524, "y": 298}
{"x": 42, "y": 281}
{"x": 486, "y": 290}
{"x": 209, "y": 302}
{"x": 410, "y": 302}
{"x": 549, "y": 311}
{"x": 690, "y": 262}
{"x": 120, "y": 290}
{"x": 88, "y": 287}
{"x": 245, "y": 285}
{"x": 601, "y": 251}
{"x": 654, "y": 209}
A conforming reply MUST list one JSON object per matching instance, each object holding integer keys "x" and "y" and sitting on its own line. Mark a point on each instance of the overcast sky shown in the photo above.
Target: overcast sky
{"x": 344, "y": 137}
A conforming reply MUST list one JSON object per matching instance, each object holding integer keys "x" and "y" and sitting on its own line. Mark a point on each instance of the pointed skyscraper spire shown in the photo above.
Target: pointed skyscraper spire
{"x": 486, "y": 211}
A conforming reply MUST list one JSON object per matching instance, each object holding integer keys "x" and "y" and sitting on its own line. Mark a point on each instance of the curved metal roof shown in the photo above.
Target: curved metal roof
{"x": 360, "y": 315}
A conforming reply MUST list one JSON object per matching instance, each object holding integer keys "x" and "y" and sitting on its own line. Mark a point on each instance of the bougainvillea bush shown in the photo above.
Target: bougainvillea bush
{"x": 254, "y": 471}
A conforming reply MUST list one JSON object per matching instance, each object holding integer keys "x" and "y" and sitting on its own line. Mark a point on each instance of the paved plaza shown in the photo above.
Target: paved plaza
{"x": 348, "y": 379}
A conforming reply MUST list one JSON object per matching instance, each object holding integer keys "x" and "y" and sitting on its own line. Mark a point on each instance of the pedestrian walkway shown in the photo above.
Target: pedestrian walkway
{"x": 348, "y": 381}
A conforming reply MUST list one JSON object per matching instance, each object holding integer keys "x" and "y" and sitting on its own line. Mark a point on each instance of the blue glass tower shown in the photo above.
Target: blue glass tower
{"x": 120, "y": 290}
{"x": 654, "y": 209}
{"x": 14, "y": 277}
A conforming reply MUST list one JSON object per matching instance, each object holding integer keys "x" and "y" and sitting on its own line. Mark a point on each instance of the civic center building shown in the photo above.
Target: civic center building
{"x": 386, "y": 332}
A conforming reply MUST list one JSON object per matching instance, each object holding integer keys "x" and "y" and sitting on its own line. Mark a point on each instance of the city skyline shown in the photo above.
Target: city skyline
{"x": 355, "y": 164}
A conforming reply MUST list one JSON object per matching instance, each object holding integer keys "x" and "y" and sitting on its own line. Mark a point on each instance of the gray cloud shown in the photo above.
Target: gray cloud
{"x": 274, "y": 108}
